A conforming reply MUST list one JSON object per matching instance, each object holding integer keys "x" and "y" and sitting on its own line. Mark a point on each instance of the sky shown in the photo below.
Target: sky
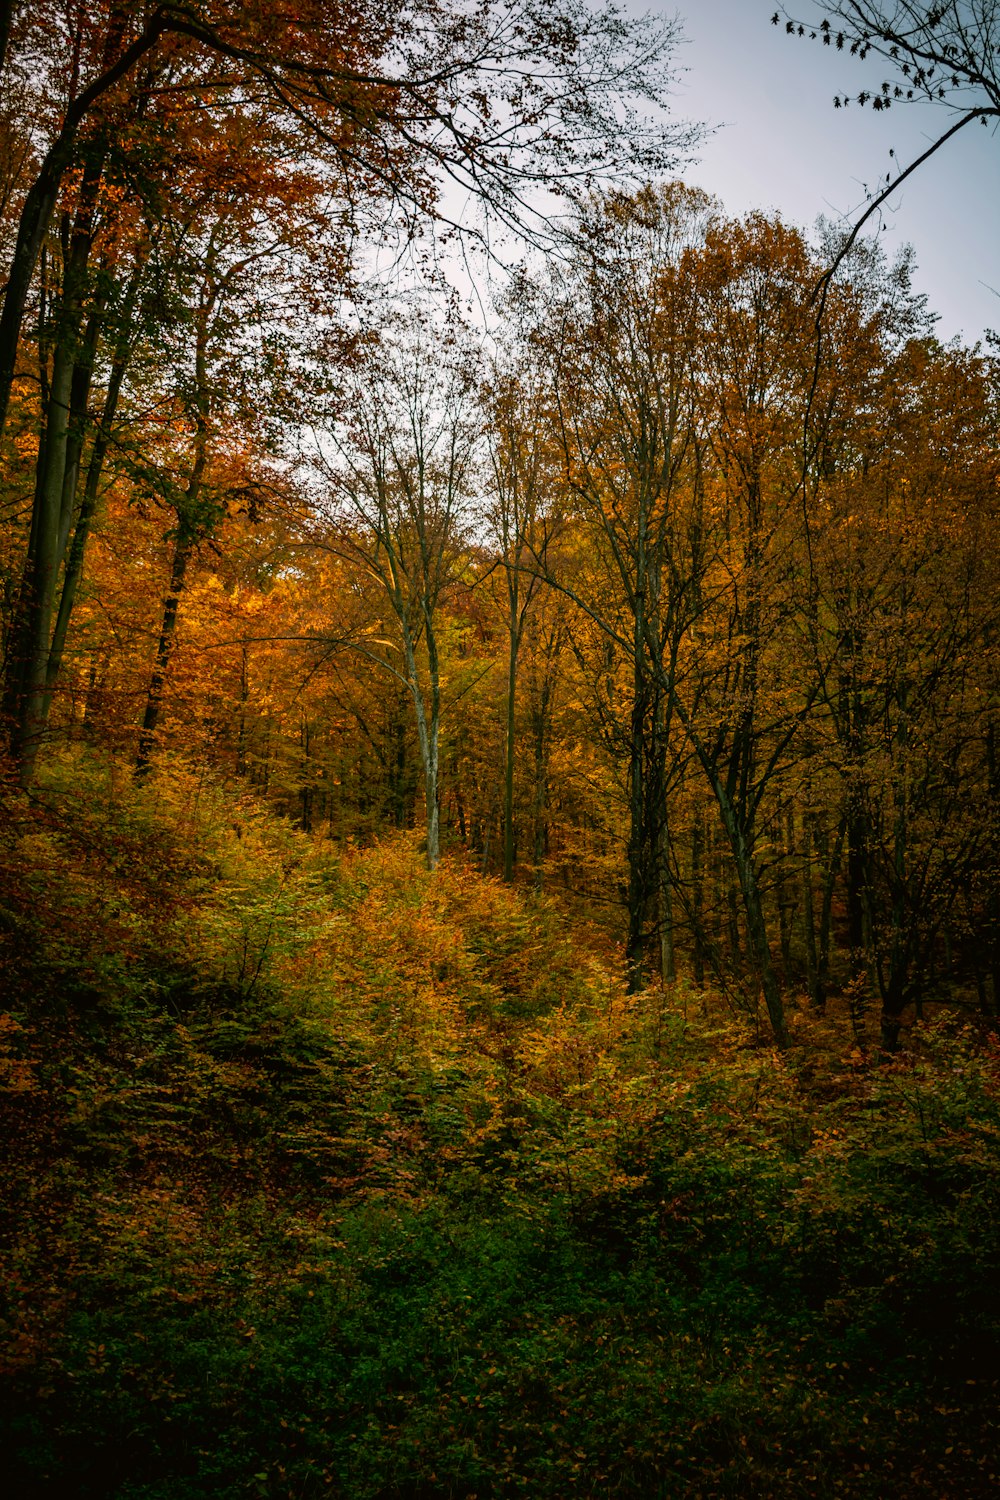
{"x": 784, "y": 147}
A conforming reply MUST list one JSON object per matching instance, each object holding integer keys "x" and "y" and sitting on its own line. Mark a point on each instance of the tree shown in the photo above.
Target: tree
{"x": 908, "y": 615}
{"x": 947, "y": 53}
{"x": 522, "y": 468}
{"x": 503, "y": 99}
{"x": 227, "y": 260}
{"x": 620, "y": 339}
{"x": 118, "y": 283}
{"x": 380, "y": 106}
{"x": 400, "y": 481}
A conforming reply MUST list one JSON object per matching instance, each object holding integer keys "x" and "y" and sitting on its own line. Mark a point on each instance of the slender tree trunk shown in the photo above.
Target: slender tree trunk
{"x": 432, "y": 795}
{"x": 895, "y": 990}
{"x": 539, "y": 726}
{"x": 698, "y": 896}
{"x": 398, "y": 780}
{"x": 43, "y": 195}
{"x": 668, "y": 970}
{"x": 241, "y": 738}
{"x": 639, "y": 841}
{"x": 305, "y": 788}
{"x": 787, "y": 900}
{"x": 992, "y": 748}
{"x": 42, "y": 571}
{"x": 514, "y": 642}
{"x": 433, "y": 813}
{"x": 88, "y": 507}
{"x": 758, "y": 942}
{"x": 993, "y": 930}
{"x": 757, "y": 939}
{"x": 183, "y": 548}
{"x": 541, "y": 711}
{"x": 831, "y": 870}
{"x": 817, "y": 995}
{"x": 427, "y": 738}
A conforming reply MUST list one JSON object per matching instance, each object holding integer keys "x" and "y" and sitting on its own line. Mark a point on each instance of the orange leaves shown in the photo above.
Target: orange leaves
{"x": 17, "y": 1070}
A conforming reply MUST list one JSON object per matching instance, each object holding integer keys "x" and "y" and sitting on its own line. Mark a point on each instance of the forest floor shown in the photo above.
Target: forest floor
{"x": 326, "y": 1176}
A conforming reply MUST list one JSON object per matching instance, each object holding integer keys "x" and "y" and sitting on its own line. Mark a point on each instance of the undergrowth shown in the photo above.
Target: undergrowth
{"x": 327, "y": 1176}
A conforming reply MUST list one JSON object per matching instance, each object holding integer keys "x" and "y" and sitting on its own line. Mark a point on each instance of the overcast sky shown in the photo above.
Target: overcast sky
{"x": 785, "y": 147}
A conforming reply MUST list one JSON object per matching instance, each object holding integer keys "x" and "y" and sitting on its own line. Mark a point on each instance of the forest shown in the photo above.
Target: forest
{"x": 499, "y": 854}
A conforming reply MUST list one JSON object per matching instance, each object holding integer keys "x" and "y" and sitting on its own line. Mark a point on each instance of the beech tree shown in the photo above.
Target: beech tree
{"x": 400, "y": 484}
{"x": 524, "y": 475}
{"x": 622, "y": 353}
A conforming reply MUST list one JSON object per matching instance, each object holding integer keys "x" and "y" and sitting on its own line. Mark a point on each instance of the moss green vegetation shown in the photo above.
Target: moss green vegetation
{"x": 326, "y": 1176}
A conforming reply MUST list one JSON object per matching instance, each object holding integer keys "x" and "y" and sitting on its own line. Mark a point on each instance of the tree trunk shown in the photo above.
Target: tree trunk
{"x": 74, "y": 563}
{"x": 668, "y": 971}
{"x": 753, "y": 910}
{"x": 831, "y": 870}
{"x": 514, "y": 641}
{"x": 698, "y": 896}
{"x": 427, "y": 738}
{"x": 817, "y": 995}
{"x": 41, "y": 573}
{"x": 540, "y": 788}
{"x": 640, "y": 845}
{"x": 183, "y": 548}
{"x": 787, "y": 899}
{"x": 43, "y": 195}
{"x": 305, "y": 786}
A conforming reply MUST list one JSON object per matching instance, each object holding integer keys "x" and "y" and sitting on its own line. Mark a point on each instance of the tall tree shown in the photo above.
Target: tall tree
{"x": 524, "y": 478}
{"x": 621, "y": 344}
{"x": 503, "y": 99}
{"x": 400, "y": 484}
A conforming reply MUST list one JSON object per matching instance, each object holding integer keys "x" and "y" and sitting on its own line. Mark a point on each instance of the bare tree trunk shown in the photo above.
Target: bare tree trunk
{"x": 757, "y": 939}
{"x": 41, "y": 572}
{"x": 540, "y": 726}
{"x": 698, "y": 896}
{"x": 817, "y": 994}
{"x": 514, "y": 641}
{"x": 428, "y": 727}
{"x": 741, "y": 845}
{"x": 637, "y": 890}
{"x": 305, "y": 786}
{"x": 183, "y": 547}
{"x": 88, "y": 506}
{"x": 668, "y": 970}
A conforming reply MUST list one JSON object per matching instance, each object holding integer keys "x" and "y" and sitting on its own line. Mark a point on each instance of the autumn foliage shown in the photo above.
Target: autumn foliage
{"x": 499, "y": 874}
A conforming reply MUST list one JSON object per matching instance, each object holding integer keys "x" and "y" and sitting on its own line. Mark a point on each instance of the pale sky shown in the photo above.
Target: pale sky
{"x": 786, "y": 148}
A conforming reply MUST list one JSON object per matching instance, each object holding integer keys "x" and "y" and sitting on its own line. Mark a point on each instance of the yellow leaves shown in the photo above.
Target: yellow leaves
{"x": 829, "y": 1141}
{"x": 17, "y": 1073}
